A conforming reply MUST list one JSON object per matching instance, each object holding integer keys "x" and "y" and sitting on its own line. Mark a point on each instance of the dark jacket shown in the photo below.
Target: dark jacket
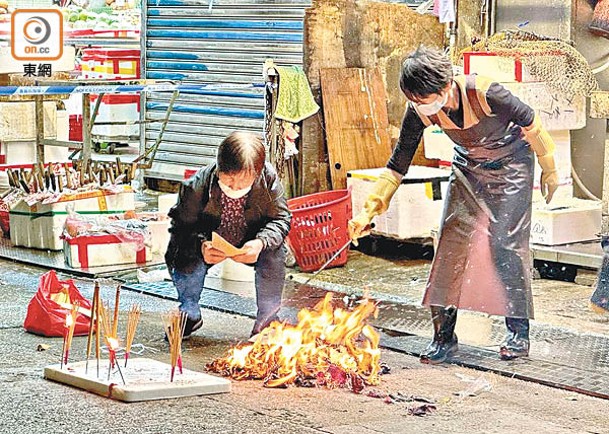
{"x": 198, "y": 211}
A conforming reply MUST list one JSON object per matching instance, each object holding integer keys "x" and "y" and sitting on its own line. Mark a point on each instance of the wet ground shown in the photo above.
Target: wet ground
{"x": 401, "y": 277}
{"x": 466, "y": 400}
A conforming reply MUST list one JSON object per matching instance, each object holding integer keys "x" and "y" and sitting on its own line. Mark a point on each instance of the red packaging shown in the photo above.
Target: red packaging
{"x": 46, "y": 317}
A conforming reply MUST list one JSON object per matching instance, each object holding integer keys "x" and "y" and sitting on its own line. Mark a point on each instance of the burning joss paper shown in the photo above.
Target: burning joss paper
{"x": 328, "y": 347}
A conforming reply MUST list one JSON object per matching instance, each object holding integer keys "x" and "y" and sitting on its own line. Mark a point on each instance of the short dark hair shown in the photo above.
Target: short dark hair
{"x": 424, "y": 72}
{"x": 241, "y": 152}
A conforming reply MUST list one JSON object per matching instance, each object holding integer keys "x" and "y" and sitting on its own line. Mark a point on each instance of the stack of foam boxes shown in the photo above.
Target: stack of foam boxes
{"x": 18, "y": 134}
{"x": 566, "y": 219}
{"x": 40, "y": 225}
{"x": 111, "y": 64}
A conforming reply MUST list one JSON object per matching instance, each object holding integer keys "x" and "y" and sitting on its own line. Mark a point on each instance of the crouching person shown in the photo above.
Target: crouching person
{"x": 240, "y": 198}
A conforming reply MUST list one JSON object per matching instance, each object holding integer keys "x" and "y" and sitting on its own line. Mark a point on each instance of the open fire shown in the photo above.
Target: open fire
{"x": 329, "y": 346}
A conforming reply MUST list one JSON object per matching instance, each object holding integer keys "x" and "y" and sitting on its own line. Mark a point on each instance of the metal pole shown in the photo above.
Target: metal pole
{"x": 86, "y": 128}
{"x": 143, "y": 95}
{"x": 39, "y": 101}
{"x": 151, "y": 153}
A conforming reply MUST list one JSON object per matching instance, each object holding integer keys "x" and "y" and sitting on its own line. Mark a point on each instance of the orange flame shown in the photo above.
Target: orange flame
{"x": 112, "y": 343}
{"x": 324, "y": 338}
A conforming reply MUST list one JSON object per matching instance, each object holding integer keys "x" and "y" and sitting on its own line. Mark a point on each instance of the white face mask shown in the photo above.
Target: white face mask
{"x": 433, "y": 107}
{"x": 233, "y": 194}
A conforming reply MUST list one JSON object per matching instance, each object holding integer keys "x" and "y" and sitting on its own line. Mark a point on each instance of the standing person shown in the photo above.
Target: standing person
{"x": 240, "y": 198}
{"x": 482, "y": 259}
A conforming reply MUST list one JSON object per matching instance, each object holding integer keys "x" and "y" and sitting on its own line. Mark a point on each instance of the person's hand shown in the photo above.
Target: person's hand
{"x": 377, "y": 203}
{"x": 210, "y": 254}
{"x": 548, "y": 184}
{"x": 252, "y": 251}
{"x": 359, "y": 226}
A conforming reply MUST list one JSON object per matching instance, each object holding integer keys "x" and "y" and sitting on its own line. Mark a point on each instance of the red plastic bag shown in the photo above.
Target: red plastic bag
{"x": 46, "y": 316}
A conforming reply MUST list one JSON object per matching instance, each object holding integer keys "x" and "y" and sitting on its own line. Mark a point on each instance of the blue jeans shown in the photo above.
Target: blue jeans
{"x": 269, "y": 281}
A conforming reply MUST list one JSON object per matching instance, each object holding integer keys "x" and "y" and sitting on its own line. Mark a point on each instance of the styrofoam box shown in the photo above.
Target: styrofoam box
{"x": 40, "y": 226}
{"x": 565, "y": 221}
{"x": 413, "y": 212}
{"x": 112, "y": 63}
{"x": 556, "y": 110}
{"x": 103, "y": 250}
{"x": 18, "y": 120}
{"x": 147, "y": 380}
{"x": 159, "y": 232}
{"x": 25, "y": 153}
{"x": 500, "y": 68}
{"x": 18, "y": 152}
{"x": 166, "y": 201}
{"x": 117, "y": 108}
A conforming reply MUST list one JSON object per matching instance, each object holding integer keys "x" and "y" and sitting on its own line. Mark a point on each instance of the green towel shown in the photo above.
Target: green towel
{"x": 295, "y": 101}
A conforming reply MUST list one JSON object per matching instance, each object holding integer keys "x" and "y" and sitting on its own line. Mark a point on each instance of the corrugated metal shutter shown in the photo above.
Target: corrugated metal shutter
{"x": 225, "y": 41}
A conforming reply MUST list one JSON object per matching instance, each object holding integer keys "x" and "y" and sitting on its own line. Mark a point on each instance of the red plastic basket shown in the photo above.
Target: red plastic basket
{"x": 319, "y": 228}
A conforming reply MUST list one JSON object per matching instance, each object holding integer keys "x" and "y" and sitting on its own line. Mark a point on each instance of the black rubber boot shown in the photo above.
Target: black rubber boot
{"x": 190, "y": 327}
{"x": 445, "y": 342}
{"x": 517, "y": 341}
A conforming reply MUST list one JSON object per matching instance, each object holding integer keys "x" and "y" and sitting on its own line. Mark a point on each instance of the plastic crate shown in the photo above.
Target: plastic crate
{"x": 117, "y": 108}
{"x": 319, "y": 228}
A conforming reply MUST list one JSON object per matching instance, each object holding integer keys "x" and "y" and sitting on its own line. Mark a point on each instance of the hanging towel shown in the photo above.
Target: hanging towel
{"x": 444, "y": 10}
{"x": 295, "y": 101}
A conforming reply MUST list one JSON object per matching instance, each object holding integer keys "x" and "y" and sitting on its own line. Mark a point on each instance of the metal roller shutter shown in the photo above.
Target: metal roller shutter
{"x": 198, "y": 42}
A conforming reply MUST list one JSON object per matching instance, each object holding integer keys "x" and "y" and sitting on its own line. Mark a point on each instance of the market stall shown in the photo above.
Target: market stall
{"x": 55, "y": 116}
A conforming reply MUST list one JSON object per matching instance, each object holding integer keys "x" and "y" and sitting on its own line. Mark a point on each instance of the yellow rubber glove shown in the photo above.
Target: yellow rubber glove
{"x": 376, "y": 203}
{"x": 549, "y": 176}
{"x": 543, "y": 145}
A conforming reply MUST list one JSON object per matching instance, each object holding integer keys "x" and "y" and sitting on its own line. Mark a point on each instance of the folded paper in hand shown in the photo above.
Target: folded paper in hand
{"x": 217, "y": 242}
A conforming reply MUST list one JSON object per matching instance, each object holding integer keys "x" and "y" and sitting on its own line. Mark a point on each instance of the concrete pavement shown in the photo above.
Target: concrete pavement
{"x": 467, "y": 400}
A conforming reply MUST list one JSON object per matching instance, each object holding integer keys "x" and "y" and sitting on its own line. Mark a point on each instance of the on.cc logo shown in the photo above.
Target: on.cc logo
{"x": 37, "y": 34}
{"x": 37, "y": 30}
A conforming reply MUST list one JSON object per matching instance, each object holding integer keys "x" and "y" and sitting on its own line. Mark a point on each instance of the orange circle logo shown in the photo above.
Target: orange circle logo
{"x": 36, "y": 30}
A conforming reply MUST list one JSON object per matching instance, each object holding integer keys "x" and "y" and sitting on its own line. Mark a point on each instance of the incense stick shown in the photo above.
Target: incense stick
{"x": 91, "y": 324}
{"x": 106, "y": 327}
{"x": 98, "y": 331}
{"x": 115, "y": 320}
{"x": 63, "y": 346}
{"x": 132, "y": 321}
{"x": 111, "y": 341}
{"x": 174, "y": 323}
{"x": 70, "y": 325}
